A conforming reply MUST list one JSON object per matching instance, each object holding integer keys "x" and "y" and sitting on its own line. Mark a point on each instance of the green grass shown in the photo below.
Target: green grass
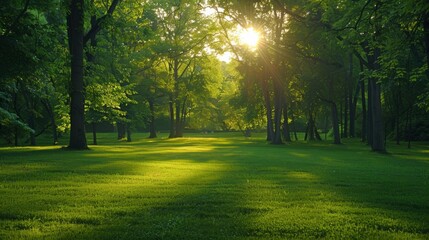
{"x": 214, "y": 187}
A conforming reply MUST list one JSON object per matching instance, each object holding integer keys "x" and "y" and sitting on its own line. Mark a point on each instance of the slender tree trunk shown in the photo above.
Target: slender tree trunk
{"x": 152, "y": 129}
{"x": 172, "y": 125}
{"x": 278, "y": 107}
{"x": 369, "y": 115}
{"x": 94, "y": 133}
{"x": 364, "y": 111}
{"x": 75, "y": 24}
{"x": 294, "y": 125}
{"x": 310, "y": 128}
{"x": 176, "y": 100}
{"x": 121, "y": 130}
{"x": 341, "y": 120}
{"x": 346, "y": 108}
{"x": 352, "y": 98}
{"x": 353, "y": 111}
{"x": 178, "y": 132}
{"x": 286, "y": 129}
{"x": 268, "y": 111}
{"x": 426, "y": 40}
{"x": 335, "y": 125}
{"x": 409, "y": 118}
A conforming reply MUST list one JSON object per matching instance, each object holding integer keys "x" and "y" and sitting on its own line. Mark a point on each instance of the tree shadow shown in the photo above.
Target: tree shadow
{"x": 225, "y": 191}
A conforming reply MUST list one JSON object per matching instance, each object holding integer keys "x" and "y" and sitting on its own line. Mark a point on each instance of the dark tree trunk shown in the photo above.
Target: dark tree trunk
{"x": 353, "y": 111}
{"x": 341, "y": 120}
{"x": 335, "y": 125}
{"x": 294, "y": 125}
{"x": 75, "y": 24}
{"x": 310, "y": 135}
{"x": 426, "y": 40}
{"x": 346, "y": 109}
{"x": 370, "y": 125}
{"x": 278, "y": 107}
{"x": 94, "y": 133}
{"x": 376, "y": 110}
{"x": 121, "y": 130}
{"x": 268, "y": 111}
{"x": 176, "y": 101}
{"x": 286, "y": 129}
{"x": 172, "y": 125}
{"x": 364, "y": 111}
{"x": 352, "y": 98}
{"x": 409, "y": 126}
{"x": 178, "y": 132}
{"x": 397, "y": 100}
{"x": 317, "y": 134}
{"x": 152, "y": 129}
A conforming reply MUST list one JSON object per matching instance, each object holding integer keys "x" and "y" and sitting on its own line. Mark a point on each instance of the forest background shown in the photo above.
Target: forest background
{"x": 343, "y": 68}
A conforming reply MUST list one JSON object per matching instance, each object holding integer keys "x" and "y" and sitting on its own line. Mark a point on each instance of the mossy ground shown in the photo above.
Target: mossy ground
{"x": 214, "y": 187}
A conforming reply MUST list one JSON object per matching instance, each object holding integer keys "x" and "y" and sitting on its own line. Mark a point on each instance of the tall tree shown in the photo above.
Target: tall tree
{"x": 75, "y": 28}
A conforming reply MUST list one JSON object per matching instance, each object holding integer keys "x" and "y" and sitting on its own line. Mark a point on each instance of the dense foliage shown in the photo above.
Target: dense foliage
{"x": 342, "y": 68}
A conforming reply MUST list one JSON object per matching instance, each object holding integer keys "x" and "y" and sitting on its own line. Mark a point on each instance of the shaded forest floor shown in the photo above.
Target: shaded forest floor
{"x": 214, "y": 187}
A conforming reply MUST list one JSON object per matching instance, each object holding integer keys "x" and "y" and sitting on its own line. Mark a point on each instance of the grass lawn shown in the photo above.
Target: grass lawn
{"x": 214, "y": 187}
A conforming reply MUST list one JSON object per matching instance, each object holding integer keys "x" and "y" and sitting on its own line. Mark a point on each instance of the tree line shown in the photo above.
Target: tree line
{"x": 347, "y": 68}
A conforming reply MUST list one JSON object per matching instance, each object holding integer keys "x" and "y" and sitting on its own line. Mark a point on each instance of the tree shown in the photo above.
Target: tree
{"x": 75, "y": 24}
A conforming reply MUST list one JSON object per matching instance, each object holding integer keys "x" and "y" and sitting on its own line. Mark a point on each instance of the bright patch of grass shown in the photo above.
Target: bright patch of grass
{"x": 214, "y": 187}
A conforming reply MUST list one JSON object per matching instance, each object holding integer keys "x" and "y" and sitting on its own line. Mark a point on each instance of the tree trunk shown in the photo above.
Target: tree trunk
{"x": 353, "y": 107}
{"x": 426, "y": 40}
{"x": 75, "y": 23}
{"x": 278, "y": 107}
{"x": 286, "y": 129}
{"x": 292, "y": 116}
{"x": 268, "y": 111}
{"x": 352, "y": 98}
{"x": 310, "y": 129}
{"x": 409, "y": 126}
{"x": 370, "y": 125}
{"x": 172, "y": 125}
{"x": 363, "y": 102}
{"x": 346, "y": 109}
{"x": 94, "y": 133}
{"x": 152, "y": 129}
{"x": 178, "y": 132}
{"x": 376, "y": 110}
{"x": 121, "y": 130}
{"x": 176, "y": 100}
{"x": 341, "y": 120}
{"x": 335, "y": 125}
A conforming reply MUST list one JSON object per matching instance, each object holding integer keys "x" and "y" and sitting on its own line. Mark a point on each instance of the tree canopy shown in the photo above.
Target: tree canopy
{"x": 339, "y": 68}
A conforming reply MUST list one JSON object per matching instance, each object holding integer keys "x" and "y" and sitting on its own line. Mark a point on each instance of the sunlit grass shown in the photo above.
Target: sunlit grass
{"x": 214, "y": 187}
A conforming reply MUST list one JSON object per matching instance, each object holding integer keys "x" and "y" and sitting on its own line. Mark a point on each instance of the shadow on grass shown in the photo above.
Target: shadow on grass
{"x": 180, "y": 189}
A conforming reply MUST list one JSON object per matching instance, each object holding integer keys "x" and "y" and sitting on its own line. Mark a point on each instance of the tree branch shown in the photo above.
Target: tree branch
{"x": 97, "y": 26}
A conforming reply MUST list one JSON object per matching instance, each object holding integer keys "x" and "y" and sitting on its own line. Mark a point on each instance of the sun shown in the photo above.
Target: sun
{"x": 249, "y": 37}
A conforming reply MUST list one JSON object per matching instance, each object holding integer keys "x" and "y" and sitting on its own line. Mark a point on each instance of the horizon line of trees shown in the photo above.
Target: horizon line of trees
{"x": 348, "y": 68}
